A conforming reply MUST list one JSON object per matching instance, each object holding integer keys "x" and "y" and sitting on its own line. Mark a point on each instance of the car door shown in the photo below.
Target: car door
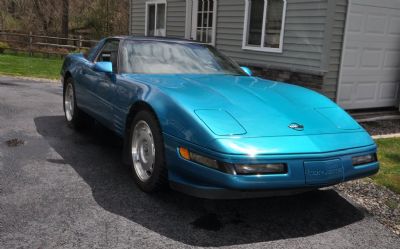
{"x": 82, "y": 79}
{"x": 101, "y": 86}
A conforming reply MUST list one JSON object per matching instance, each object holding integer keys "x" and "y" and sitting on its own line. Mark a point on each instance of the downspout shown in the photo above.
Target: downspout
{"x": 188, "y": 19}
{"x": 330, "y": 20}
{"x": 346, "y": 22}
{"x": 130, "y": 18}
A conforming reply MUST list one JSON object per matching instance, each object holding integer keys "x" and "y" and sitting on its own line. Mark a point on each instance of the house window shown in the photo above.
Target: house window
{"x": 264, "y": 25}
{"x": 201, "y": 20}
{"x": 156, "y": 18}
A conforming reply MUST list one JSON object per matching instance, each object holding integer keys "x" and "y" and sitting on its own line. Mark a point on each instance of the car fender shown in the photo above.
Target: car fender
{"x": 174, "y": 119}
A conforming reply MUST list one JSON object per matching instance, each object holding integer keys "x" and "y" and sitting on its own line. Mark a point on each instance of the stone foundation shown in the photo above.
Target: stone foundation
{"x": 311, "y": 81}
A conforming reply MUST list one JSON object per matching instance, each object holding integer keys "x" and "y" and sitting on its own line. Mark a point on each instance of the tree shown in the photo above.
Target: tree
{"x": 93, "y": 18}
{"x": 41, "y": 14}
{"x": 65, "y": 18}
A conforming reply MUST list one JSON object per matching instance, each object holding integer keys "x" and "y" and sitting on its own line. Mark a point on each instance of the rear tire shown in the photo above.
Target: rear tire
{"x": 146, "y": 152}
{"x": 73, "y": 115}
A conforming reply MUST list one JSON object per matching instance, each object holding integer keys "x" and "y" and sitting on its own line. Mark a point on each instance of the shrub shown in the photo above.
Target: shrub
{"x": 3, "y": 46}
{"x": 82, "y": 50}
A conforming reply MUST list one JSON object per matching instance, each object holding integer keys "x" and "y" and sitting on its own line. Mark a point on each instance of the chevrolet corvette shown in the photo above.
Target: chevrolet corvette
{"x": 193, "y": 119}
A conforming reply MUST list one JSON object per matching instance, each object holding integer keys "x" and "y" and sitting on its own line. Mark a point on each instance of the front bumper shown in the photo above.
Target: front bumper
{"x": 305, "y": 172}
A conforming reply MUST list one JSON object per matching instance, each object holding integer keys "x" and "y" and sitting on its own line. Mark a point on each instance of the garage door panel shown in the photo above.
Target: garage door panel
{"x": 376, "y": 74}
{"x": 376, "y": 24}
{"x": 371, "y": 38}
{"x": 357, "y": 22}
{"x": 373, "y": 41}
{"x": 347, "y": 91}
{"x": 351, "y": 58}
{"x": 389, "y": 90}
{"x": 365, "y": 91}
{"x": 394, "y": 26}
{"x": 371, "y": 58}
{"x": 370, "y": 69}
{"x": 392, "y": 59}
{"x": 386, "y": 4}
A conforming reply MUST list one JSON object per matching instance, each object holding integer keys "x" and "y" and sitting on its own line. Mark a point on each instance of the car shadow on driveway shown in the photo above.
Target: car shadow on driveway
{"x": 95, "y": 154}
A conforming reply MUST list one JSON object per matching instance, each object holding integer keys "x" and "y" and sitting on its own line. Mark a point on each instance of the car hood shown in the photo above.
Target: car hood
{"x": 252, "y": 107}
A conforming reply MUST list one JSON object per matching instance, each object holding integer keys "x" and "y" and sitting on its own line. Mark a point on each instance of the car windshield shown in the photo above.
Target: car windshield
{"x": 164, "y": 57}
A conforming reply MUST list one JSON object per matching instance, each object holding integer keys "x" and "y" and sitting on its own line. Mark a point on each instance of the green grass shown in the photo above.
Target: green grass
{"x": 19, "y": 65}
{"x": 389, "y": 157}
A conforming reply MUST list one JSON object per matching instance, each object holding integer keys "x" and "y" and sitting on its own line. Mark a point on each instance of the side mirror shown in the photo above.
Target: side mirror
{"x": 103, "y": 66}
{"x": 247, "y": 71}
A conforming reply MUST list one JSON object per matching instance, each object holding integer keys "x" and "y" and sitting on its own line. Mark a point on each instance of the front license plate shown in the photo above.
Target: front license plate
{"x": 323, "y": 172}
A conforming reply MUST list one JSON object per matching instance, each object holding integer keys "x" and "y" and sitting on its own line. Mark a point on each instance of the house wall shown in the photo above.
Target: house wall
{"x": 303, "y": 38}
{"x": 176, "y": 18}
{"x": 312, "y": 42}
{"x": 137, "y": 17}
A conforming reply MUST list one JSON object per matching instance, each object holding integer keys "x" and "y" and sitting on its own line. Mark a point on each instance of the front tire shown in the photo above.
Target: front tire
{"x": 72, "y": 113}
{"x": 147, "y": 152}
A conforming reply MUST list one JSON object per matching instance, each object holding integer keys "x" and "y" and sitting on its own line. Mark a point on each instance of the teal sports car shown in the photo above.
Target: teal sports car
{"x": 194, "y": 120}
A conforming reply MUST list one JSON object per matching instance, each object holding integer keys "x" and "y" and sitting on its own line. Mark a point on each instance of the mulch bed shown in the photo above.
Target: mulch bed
{"x": 15, "y": 142}
{"x": 382, "y": 127}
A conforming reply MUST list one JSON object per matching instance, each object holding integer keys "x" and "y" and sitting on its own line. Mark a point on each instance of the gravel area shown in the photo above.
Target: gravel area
{"x": 377, "y": 200}
{"x": 382, "y": 127}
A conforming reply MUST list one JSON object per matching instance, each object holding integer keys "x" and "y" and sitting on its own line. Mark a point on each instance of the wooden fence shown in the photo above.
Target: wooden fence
{"x": 47, "y": 45}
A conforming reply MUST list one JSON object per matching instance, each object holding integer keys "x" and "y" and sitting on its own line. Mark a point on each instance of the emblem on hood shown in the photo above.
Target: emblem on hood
{"x": 296, "y": 126}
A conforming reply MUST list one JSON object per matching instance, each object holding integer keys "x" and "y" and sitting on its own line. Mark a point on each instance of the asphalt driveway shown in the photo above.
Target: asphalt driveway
{"x": 63, "y": 189}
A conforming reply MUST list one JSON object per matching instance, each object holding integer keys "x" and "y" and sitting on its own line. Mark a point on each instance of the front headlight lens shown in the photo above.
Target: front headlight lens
{"x": 252, "y": 169}
{"x": 364, "y": 159}
{"x": 239, "y": 169}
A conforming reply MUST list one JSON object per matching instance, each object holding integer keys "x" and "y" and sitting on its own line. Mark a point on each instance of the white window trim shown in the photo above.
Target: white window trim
{"x": 191, "y": 20}
{"x": 246, "y": 28}
{"x": 147, "y": 15}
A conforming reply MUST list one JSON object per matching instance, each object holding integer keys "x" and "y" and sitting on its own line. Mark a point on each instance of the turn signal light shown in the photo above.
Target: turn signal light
{"x": 184, "y": 153}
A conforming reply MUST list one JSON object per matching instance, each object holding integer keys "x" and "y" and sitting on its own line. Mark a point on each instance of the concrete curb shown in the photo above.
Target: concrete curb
{"x": 31, "y": 78}
{"x": 386, "y": 136}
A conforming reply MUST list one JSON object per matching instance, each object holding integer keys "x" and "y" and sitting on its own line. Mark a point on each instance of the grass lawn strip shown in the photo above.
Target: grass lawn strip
{"x": 17, "y": 65}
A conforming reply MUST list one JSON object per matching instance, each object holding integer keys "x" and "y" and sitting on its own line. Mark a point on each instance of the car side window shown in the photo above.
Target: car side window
{"x": 109, "y": 52}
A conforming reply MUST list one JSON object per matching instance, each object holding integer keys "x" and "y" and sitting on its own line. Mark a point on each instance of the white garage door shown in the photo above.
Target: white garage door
{"x": 370, "y": 70}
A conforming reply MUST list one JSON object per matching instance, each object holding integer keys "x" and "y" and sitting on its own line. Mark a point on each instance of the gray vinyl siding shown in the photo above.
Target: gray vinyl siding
{"x": 138, "y": 13}
{"x": 176, "y": 18}
{"x": 176, "y": 14}
{"x": 303, "y": 37}
{"x": 331, "y": 78}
